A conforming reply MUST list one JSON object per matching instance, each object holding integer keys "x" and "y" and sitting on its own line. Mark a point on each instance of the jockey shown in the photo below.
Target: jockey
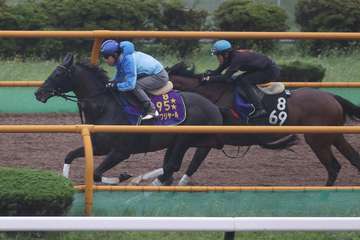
{"x": 135, "y": 71}
{"x": 257, "y": 69}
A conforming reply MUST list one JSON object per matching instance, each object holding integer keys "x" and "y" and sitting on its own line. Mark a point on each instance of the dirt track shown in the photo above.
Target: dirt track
{"x": 259, "y": 167}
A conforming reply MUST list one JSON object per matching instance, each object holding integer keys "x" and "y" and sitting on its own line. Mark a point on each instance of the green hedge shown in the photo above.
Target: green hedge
{"x": 328, "y": 16}
{"x": 246, "y": 15}
{"x": 25, "y": 192}
{"x": 298, "y": 71}
{"x": 93, "y": 15}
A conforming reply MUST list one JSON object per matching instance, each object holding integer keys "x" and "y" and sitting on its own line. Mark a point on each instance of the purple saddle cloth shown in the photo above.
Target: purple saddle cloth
{"x": 242, "y": 107}
{"x": 170, "y": 106}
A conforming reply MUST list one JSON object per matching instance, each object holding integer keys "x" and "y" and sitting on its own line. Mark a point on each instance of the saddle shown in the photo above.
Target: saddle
{"x": 274, "y": 99}
{"x": 167, "y": 88}
{"x": 261, "y": 90}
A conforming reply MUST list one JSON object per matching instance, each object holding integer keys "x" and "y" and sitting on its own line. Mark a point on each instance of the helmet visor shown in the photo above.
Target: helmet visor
{"x": 106, "y": 55}
{"x": 213, "y": 52}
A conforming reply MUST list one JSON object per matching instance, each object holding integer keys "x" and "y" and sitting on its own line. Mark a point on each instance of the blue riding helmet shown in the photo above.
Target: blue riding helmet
{"x": 109, "y": 48}
{"x": 220, "y": 47}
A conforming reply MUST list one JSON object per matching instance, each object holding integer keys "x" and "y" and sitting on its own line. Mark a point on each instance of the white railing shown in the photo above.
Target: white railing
{"x": 179, "y": 224}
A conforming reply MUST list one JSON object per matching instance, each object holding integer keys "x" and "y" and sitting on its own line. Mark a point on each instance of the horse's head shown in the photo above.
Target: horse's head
{"x": 184, "y": 77}
{"x": 58, "y": 82}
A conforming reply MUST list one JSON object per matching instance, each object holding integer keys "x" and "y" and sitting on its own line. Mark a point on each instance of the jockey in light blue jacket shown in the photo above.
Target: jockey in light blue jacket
{"x": 135, "y": 71}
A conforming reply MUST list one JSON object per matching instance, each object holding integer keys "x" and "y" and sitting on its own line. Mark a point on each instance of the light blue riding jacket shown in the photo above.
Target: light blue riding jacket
{"x": 131, "y": 64}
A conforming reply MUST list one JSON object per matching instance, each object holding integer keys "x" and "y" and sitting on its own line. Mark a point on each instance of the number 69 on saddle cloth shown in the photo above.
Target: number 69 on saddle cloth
{"x": 275, "y": 104}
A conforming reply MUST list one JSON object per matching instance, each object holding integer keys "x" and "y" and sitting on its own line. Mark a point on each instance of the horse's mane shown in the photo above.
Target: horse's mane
{"x": 181, "y": 69}
{"x": 98, "y": 72}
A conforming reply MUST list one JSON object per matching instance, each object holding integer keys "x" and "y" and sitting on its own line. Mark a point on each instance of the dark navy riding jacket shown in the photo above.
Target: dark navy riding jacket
{"x": 241, "y": 60}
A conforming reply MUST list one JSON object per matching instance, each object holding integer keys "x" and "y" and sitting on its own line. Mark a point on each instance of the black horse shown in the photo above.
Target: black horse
{"x": 102, "y": 106}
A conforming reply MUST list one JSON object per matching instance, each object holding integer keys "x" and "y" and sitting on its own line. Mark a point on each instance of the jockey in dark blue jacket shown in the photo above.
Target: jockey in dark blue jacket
{"x": 135, "y": 71}
{"x": 256, "y": 68}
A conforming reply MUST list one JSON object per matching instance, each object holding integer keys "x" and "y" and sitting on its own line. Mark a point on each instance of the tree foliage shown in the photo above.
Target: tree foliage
{"x": 175, "y": 17}
{"x": 93, "y": 15}
{"x": 328, "y": 16}
{"x": 246, "y": 15}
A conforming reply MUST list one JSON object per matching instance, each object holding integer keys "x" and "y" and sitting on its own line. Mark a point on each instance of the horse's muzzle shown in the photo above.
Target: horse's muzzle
{"x": 42, "y": 96}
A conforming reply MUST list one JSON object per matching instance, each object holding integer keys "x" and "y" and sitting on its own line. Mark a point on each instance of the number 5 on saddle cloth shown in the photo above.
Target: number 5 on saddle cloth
{"x": 170, "y": 105}
{"x": 274, "y": 99}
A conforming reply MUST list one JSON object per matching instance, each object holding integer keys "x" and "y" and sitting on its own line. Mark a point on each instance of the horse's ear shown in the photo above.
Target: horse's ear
{"x": 68, "y": 60}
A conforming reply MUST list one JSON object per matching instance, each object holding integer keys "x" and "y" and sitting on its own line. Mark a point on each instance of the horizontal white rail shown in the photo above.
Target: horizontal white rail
{"x": 227, "y": 224}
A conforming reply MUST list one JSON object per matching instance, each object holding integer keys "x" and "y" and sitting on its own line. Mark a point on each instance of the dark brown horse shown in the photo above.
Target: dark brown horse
{"x": 307, "y": 107}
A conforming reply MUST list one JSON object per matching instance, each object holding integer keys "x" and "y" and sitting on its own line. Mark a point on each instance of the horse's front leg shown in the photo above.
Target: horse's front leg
{"x": 77, "y": 153}
{"x": 111, "y": 160}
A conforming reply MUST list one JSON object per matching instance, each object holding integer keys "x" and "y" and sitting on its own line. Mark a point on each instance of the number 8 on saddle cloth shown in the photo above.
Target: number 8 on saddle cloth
{"x": 274, "y": 99}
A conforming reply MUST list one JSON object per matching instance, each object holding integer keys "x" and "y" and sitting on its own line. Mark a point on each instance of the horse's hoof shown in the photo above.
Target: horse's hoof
{"x": 157, "y": 182}
{"x": 168, "y": 182}
{"x": 124, "y": 176}
{"x": 110, "y": 180}
{"x": 97, "y": 178}
{"x": 184, "y": 180}
{"x": 136, "y": 181}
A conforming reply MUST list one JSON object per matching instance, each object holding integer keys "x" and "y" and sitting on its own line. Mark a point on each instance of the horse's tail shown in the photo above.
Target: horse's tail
{"x": 350, "y": 109}
{"x": 282, "y": 143}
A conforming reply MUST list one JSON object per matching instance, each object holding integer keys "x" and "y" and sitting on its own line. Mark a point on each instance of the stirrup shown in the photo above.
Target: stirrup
{"x": 258, "y": 113}
{"x": 151, "y": 115}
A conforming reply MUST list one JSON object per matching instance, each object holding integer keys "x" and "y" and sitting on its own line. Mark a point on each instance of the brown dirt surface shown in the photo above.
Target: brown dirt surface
{"x": 259, "y": 167}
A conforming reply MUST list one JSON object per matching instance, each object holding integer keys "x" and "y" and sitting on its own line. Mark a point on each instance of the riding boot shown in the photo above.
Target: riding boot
{"x": 254, "y": 99}
{"x": 149, "y": 107}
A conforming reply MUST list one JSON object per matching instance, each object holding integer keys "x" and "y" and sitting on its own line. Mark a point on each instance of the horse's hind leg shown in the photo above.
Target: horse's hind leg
{"x": 195, "y": 163}
{"x": 348, "y": 151}
{"x": 173, "y": 161}
{"x": 321, "y": 146}
{"x": 154, "y": 173}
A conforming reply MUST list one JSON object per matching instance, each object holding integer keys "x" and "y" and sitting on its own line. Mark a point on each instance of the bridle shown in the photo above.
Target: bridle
{"x": 73, "y": 98}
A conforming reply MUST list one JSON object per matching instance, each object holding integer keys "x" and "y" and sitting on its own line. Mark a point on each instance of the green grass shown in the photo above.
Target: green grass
{"x": 339, "y": 67}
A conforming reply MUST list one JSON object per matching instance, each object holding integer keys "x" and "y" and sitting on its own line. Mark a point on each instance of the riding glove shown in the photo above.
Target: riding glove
{"x": 210, "y": 72}
{"x": 205, "y": 78}
{"x": 111, "y": 85}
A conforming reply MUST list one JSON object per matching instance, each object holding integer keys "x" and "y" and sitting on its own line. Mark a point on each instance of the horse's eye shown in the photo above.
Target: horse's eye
{"x": 58, "y": 73}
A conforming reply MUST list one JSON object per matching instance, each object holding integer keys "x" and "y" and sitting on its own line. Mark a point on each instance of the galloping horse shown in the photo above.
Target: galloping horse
{"x": 308, "y": 107}
{"x": 105, "y": 107}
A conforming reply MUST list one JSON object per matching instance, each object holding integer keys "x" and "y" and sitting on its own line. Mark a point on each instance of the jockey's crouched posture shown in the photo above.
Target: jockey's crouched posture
{"x": 135, "y": 71}
{"x": 258, "y": 69}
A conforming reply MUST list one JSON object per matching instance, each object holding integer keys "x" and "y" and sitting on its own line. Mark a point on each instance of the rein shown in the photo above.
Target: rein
{"x": 78, "y": 101}
{"x": 237, "y": 154}
{"x": 73, "y": 98}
